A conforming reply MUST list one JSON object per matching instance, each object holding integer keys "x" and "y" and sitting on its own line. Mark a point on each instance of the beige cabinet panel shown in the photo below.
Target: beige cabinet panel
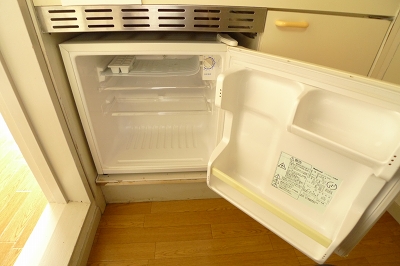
{"x": 393, "y": 72}
{"x": 342, "y": 42}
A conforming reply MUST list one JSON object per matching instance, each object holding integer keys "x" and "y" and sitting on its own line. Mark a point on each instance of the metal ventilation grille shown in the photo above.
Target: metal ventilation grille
{"x": 151, "y": 18}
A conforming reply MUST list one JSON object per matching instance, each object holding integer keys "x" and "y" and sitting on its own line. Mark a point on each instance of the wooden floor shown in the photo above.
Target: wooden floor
{"x": 21, "y": 200}
{"x": 214, "y": 232}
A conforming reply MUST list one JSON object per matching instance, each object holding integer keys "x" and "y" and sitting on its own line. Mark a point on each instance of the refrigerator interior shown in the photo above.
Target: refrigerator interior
{"x": 151, "y": 113}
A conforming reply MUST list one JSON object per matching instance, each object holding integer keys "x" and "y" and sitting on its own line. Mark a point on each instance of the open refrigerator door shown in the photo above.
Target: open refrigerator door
{"x": 305, "y": 150}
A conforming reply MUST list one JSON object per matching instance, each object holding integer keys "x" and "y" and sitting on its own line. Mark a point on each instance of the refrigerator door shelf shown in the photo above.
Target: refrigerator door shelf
{"x": 364, "y": 132}
{"x": 157, "y": 106}
{"x": 304, "y": 150}
{"x": 121, "y": 82}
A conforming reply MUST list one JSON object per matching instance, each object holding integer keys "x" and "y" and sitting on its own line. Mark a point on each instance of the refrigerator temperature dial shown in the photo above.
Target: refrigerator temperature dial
{"x": 209, "y": 63}
{"x": 209, "y": 68}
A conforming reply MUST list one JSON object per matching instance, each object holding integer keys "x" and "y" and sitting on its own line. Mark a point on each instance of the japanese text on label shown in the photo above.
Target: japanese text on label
{"x": 304, "y": 182}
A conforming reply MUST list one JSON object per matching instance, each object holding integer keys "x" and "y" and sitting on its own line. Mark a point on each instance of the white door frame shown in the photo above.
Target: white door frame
{"x": 30, "y": 108}
{"x": 20, "y": 128}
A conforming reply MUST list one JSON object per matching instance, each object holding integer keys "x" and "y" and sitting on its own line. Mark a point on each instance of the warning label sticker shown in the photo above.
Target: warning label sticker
{"x": 304, "y": 182}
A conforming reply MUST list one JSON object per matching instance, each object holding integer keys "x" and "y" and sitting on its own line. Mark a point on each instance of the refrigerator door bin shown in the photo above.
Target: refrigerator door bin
{"x": 366, "y": 133}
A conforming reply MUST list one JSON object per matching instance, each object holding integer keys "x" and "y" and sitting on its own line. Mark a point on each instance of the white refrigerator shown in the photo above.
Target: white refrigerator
{"x": 309, "y": 152}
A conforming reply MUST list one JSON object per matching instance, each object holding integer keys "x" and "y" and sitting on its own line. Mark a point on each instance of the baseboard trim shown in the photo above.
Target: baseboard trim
{"x": 157, "y": 192}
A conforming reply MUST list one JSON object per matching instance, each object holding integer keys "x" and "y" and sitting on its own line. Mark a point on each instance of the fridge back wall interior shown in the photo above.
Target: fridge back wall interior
{"x": 146, "y": 107}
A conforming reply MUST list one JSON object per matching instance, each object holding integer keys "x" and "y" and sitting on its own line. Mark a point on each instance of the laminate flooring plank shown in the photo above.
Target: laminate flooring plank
{"x": 29, "y": 183}
{"x": 383, "y": 229}
{"x": 348, "y": 262}
{"x": 263, "y": 258}
{"x": 124, "y": 263}
{"x": 127, "y": 208}
{"x": 251, "y": 228}
{"x": 396, "y": 240}
{"x": 386, "y": 217}
{"x": 6, "y": 193}
{"x": 5, "y": 248}
{"x": 195, "y": 217}
{"x": 153, "y": 234}
{"x": 392, "y": 259}
{"x": 22, "y": 216}
{"x": 174, "y": 230}
{"x": 10, "y": 180}
{"x": 222, "y": 246}
{"x": 11, "y": 257}
{"x": 386, "y": 226}
{"x": 31, "y": 223}
{"x": 218, "y": 204}
{"x": 122, "y": 221}
{"x": 278, "y": 243}
{"x": 15, "y": 177}
{"x": 9, "y": 210}
{"x": 395, "y": 229}
{"x": 8, "y": 166}
{"x": 121, "y": 252}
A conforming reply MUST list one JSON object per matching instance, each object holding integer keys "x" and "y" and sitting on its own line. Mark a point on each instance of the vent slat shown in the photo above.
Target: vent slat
{"x": 101, "y": 26}
{"x": 151, "y": 18}
{"x": 137, "y": 25}
{"x": 242, "y": 12}
{"x": 61, "y": 11}
{"x": 171, "y": 18}
{"x": 66, "y": 27}
{"x": 134, "y": 10}
{"x": 135, "y": 18}
{"x": 63, "y": 19}
{"x": 241, "y": 19}
{"x": 171, "y": 25}
{"x": 207, "y": 18}
{"x": 98, "y": 10}
{"x": 205, "y": 26}
{"x": 239, "y": 27}
{"x": 99, "y": 18}
{"x": 207, "y": 11}
{"x": 172, "y": 10}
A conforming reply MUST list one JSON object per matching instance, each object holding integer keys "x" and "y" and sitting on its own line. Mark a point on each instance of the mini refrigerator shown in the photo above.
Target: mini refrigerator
{"x": 309, "y": 152}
